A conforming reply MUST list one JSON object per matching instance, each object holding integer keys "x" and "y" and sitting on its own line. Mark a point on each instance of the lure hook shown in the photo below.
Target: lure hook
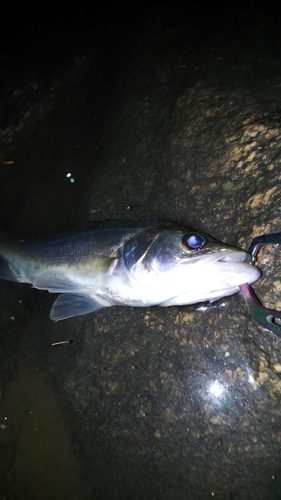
{"x": 268, "y": 318}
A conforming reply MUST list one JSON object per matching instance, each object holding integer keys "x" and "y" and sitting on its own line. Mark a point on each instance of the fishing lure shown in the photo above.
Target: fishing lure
{"x": 268, "y": 318}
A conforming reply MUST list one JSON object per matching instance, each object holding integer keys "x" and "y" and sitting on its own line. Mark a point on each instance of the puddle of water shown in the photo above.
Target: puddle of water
{"x": 37, "y": 455}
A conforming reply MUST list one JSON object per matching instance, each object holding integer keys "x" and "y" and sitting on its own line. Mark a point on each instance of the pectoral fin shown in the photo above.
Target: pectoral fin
{"x": 72, "y": 304}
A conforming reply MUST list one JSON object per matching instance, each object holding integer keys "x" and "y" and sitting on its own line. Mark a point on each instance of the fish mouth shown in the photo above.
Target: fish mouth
{"x": 236, "y": 268}
{"x": 233, "y": 257}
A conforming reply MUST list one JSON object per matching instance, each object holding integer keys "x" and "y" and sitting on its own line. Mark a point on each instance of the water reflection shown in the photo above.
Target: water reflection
{"x": 224, "y": 390}
{"x": 216, "y": 389}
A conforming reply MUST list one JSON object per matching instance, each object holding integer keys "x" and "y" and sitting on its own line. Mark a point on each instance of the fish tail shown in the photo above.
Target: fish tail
{"x": 6, "y": 270}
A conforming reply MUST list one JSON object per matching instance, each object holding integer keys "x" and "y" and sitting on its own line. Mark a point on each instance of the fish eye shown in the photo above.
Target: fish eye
{"x": 193, "y": 241}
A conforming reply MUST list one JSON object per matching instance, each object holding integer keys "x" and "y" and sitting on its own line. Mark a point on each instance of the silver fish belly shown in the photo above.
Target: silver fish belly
{"x": 129, "y": 263}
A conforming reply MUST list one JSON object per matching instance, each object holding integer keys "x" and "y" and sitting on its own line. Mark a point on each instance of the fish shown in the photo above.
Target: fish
{"x": 126, "y": 263}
